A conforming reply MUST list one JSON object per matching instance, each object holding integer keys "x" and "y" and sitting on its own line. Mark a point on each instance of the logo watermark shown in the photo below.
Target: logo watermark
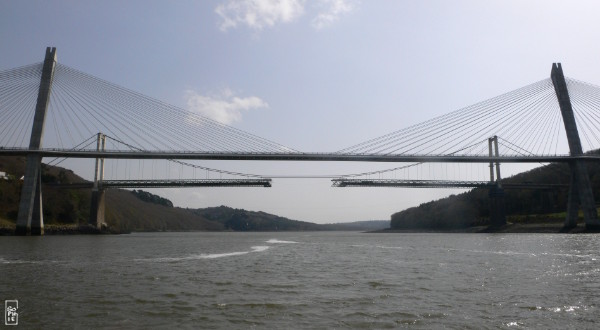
{"x": 11, "y": 317}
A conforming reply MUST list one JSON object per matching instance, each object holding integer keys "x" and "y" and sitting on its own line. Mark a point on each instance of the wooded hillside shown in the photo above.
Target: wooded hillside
{"x": 472, "y": 208}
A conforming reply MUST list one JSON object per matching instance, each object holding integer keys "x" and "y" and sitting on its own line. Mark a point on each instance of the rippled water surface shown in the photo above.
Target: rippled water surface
{"x": 303, "y": 280}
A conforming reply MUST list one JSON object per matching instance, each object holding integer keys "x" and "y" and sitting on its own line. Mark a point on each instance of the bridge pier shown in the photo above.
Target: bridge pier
{"x": 97, "y": 209}
{"x": 580, "y": 190}
{"x": 496, "y": 193}
{"x": 30, "y": 218}
{"x": 497, "y": 210}
{"x": 98, "y": 204}
{"x": 572, "y": 203}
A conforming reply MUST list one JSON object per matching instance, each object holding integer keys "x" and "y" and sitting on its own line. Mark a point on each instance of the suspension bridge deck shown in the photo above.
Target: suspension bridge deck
{"x": 439, "y": 184}
{"x": 168, "y": 183}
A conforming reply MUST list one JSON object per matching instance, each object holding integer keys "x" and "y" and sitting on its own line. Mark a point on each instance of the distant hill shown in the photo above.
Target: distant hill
{"x": 137, "y": 210}
{"x": 358, "y": 225}
{"x": 124, "y": 210}
{"x": 152, "y": 198}
{"x": 243, "y": 220}
{"x": 472, "y": 208}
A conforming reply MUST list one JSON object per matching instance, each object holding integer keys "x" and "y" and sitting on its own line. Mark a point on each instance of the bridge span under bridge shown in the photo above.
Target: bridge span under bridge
{"x": 166, "y": 183}
{"x": 440, "y": 184}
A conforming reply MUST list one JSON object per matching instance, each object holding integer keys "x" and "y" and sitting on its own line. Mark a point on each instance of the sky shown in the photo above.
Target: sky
{"x": 316, "y": 76}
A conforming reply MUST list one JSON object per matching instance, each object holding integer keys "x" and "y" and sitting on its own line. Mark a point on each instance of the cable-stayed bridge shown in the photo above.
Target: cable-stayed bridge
{"x": 552, "y": 120}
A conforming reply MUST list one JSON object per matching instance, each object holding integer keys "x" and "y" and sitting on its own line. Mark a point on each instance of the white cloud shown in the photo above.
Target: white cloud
{"x": 331, "y": 12}
{"x": 258, "y": 14}
{"x": 223, "y": 107}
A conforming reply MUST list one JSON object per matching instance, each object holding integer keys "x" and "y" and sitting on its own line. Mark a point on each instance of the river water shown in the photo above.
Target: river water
{"x": 320, "y": 280}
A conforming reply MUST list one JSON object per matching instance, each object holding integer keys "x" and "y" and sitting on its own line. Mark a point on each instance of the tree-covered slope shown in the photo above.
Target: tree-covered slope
{"x": 472, "y": 208}
{"x": 243, "y": 220}
{"x": 126, "y": 210}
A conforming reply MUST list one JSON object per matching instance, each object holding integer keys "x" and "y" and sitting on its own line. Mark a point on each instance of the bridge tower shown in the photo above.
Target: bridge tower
{"x": 30, "y": 218}
{"x": 98, "y": 205}
{"x": 580, "y": 188}
{"x": 496, "y": 192}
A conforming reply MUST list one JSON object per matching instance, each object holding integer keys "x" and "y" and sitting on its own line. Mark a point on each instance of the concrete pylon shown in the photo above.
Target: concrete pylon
{"x": 98, "y": 205}
{"x": 496, "y": 193}
{"x": 30, "y": 219}
{"x": 580, "y": 191}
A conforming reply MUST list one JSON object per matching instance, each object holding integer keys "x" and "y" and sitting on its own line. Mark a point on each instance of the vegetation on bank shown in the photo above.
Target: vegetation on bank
{"x": 151, "y": 198}
{"x": 67, "y": 210}
{"x": 243, "y": 220}
{"x": 139, "y": 210}
{"x": 471, "y": 209}
{"x": 60, "y": 205}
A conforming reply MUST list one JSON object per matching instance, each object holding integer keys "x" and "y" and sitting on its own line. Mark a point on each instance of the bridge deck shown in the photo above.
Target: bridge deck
{"x": 169, "y": 183}
{"x": 439, "y": 184}
{"x": 293, "y": 156}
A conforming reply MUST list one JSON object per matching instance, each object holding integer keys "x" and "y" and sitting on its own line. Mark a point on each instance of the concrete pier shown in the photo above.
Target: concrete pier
{"x": 97, "y": 209}
{"x": 497, "y": 208}
{"x": 580, "y": 191}
{"x": 496, "y": 193}
{"x": 30, "y": 218}
{"x": 98, "y": 205}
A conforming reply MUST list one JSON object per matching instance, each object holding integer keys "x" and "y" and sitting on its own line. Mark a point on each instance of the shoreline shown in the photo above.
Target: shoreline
{"x": 65, "y": 230}
{"x": 510, "y": 228}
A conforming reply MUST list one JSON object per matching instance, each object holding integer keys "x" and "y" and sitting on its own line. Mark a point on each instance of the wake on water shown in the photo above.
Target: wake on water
{"x": 206, "y": 255}
{"x": 276, "y": 241}
{"x": 260, "y": 248}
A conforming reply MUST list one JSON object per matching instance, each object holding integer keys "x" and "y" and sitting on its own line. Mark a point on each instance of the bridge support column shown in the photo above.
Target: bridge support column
{"x": 580, "y": 190}
{"x": 497, "y": 211}
{"x": 496, "y": 193}
{"x": 98, "y": 205}
{"x": 97, "y": 209}
{"x": 30, "y": 218}
{"x": 572, "y": 203}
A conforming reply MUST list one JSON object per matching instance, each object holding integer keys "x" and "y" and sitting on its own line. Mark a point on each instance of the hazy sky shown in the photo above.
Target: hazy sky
{"x": 312, "y": 75}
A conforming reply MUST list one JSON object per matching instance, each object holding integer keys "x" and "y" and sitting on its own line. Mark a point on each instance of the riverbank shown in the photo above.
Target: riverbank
{"x": 63, "y": 229}
{"x": 531, "y": 228}
{"x": 8, "y": 229}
